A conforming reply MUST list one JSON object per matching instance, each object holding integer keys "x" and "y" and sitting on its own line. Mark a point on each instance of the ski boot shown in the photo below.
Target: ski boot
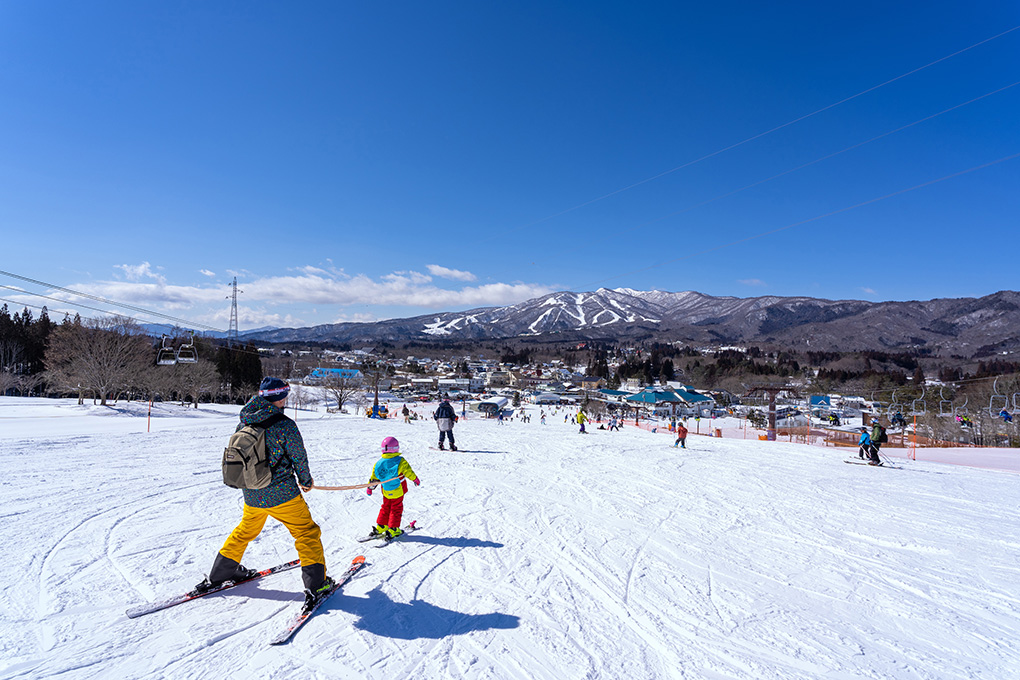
{"x": 313, "y": 596}
{"x": 240, "y": 574}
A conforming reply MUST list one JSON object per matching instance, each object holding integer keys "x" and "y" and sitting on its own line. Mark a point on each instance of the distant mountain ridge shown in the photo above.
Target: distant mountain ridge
{"x": 963, "y": 326}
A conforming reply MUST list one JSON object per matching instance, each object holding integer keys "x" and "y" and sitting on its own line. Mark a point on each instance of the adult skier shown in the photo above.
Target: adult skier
{"x": 445, "y": 418}
{"x": 281, "y": 500}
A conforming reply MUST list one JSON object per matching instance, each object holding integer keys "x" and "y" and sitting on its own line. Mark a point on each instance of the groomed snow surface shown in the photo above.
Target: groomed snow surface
{"x": 543, "y": 554}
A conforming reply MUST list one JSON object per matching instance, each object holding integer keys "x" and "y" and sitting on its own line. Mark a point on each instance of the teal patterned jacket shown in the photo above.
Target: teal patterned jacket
{"x": 286, "y": 456}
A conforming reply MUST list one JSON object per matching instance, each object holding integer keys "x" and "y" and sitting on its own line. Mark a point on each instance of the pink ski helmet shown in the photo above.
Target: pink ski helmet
{"x": 390, "y": 445}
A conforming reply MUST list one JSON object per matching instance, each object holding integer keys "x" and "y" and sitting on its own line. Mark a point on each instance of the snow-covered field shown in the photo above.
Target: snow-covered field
{"x": 544, "y": 554}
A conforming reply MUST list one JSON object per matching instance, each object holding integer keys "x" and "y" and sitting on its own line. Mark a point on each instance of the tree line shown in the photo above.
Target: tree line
{"x": 112, "y": 357}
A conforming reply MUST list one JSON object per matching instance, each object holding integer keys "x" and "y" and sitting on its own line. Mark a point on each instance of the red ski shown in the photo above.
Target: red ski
{"x": 307, "y": 611}
{"x": 143, "y": 609}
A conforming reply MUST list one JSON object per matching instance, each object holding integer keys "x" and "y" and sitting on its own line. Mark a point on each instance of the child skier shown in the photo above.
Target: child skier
{"x": 681, "y": 437}
{"x": 391, "y": 465}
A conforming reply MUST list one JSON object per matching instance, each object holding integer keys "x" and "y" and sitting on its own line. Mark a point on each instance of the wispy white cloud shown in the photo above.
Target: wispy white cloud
{"x": 206, "y": 272}
{"x": 452, "y": 274}
{"x": 752, "y": 282}
{"x": 286, "y": 300}
{"x": 869, "y": 291}
{"x": 137, "y": 272}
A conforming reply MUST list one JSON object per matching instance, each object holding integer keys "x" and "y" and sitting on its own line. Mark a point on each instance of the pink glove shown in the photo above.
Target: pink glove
{"x": 368, "y": 491}
{"x": 417, "y": 481}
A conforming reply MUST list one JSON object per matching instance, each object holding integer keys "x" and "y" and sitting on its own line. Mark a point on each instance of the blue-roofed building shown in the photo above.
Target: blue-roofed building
{"x": 323, "y": 375}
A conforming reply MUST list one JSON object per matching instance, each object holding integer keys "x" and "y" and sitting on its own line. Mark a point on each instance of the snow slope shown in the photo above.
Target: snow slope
{"x": 544, "y": 554}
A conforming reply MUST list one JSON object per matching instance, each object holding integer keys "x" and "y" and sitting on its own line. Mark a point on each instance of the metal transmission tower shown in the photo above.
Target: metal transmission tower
{"x": 232, "y": 331}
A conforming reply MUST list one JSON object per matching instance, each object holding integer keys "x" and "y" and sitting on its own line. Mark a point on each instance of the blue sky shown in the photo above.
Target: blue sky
{"x": 358, "y": 161}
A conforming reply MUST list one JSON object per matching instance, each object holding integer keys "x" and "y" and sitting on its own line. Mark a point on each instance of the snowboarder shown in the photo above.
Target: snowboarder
{"x": 445, "y": 417}
{"x": 1006, "y": 416}
{"x": 391, "y": 465}
{"x": 281, "y": 500}
{"x": 681, "y": 436}
{"x": 407, "y": 414}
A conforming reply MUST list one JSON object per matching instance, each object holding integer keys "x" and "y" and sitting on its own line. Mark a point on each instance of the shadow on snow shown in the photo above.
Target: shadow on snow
{"x": 416, "y": 619}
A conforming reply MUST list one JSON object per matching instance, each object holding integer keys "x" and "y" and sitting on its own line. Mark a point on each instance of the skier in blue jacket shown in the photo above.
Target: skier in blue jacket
{"x": 867, "y": 448}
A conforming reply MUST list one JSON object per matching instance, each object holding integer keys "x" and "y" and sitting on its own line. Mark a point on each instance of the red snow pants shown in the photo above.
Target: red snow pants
{"x": 390, "y": 513}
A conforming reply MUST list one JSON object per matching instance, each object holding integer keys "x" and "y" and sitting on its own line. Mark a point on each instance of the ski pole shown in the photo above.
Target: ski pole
{"x": 354, "y": 486}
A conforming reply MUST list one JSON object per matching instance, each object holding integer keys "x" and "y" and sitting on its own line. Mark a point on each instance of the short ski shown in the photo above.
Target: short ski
{"x": 408, "y": 529}
{"x": 143, "y": 609}
{"x": 307, "y": 612}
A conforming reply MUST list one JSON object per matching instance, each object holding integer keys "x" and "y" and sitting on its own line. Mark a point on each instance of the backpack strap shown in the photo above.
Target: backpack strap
{"x": 268, "y": 423}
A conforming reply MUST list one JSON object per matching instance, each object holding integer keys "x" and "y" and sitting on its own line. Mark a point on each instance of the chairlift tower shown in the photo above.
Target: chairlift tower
{"x": 232, "y": 330}
{"x": 772, "y": 390}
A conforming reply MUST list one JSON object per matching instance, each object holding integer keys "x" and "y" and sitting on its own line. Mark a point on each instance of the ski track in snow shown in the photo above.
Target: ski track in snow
{"x": 547, "y": 554}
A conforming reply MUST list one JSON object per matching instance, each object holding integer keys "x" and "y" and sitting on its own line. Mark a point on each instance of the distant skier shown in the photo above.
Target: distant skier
{"x": 445, "y": 418}
{"x": 581, "y": 420}
{"x": 867, "y": 448}
{"x": 1006, "y": 416}
{"x": 878, "y": 437}
{"x": 281, "y": 500}
{"x": 391, "y": 465}
{"x": 681, "y": 436}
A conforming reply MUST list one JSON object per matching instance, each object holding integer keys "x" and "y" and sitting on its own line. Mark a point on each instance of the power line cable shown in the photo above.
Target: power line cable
{"x": 183, "y": 322}
{"x": 589, "y": 244}
{"x": 73, "y": 305}
{"x": 807, "y": 221}
{"x": 753, "y": 137}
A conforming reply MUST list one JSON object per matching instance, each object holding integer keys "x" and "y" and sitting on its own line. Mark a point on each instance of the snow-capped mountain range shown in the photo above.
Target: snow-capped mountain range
{"x": 964, "y": 326}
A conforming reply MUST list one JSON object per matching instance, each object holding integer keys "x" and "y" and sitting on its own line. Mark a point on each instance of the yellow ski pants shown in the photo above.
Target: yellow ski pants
{"x": 294, "y": 515}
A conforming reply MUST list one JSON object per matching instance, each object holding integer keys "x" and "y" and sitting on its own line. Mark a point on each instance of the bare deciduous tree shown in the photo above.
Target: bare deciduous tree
{"x": 104, "y": 355}
{"x": 342, "y": 387}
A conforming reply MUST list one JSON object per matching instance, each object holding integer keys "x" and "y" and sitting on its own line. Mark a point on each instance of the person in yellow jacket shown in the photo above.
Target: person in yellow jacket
{"x": 581, "y": 420}
{"x": 393, "y": 471}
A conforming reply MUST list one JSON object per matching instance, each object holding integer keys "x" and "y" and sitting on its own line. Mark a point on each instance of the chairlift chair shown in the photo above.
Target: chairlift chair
{"x": 166, "y": 356}
{"x": 895, "y": 407}
{"x": 186, "y": 353}
{"x": 919, "y": 407}
{"x": 997, "y": 403}
{"x": 962, "y": 409}
{"x": 945, "y": 405}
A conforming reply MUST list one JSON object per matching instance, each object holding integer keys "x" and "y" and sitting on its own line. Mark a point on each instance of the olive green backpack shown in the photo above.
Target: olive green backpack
{"x": 245, "y": 460}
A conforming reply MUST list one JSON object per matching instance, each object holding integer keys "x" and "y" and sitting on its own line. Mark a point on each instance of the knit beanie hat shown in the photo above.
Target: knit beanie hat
{"x": 390, "y": 445}
{"x": 273, "y": 389}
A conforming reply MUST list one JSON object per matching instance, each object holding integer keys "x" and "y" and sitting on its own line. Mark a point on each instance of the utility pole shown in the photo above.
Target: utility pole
{"x": 232, "y": 330}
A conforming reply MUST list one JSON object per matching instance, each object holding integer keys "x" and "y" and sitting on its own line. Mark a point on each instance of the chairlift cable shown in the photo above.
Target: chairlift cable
{"x": 765, "y": 133}
{"x": 810, "y": 219}
{"x": 183, "y": 322}
{"x": 752, "y": 185}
